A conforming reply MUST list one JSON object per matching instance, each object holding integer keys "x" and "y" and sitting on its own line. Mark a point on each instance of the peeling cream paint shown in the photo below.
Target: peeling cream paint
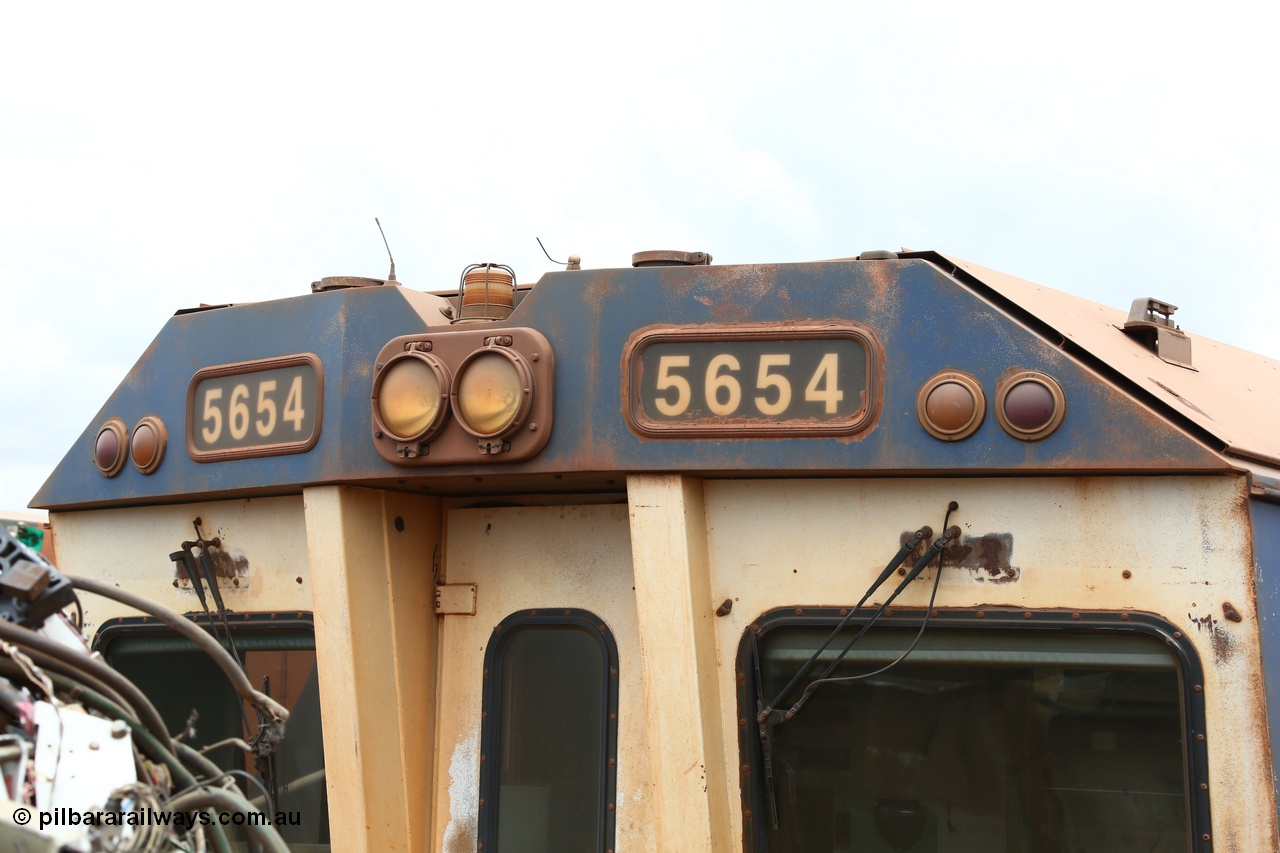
{"x": 464, "y": 787}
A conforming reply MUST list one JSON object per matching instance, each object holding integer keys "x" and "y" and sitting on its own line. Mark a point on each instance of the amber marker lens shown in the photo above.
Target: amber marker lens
{"x": 950, "y": 406}
{"x": 146, "y": 447}
{"x": 109, "y": 447}
{"x": 494, "y": 392}
{"x": 409, "y": 395}
{"x": 1030, "y": 406}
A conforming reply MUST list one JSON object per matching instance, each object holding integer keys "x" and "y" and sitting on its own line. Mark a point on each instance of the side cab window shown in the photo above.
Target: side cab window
{"x": 549, "y": 736}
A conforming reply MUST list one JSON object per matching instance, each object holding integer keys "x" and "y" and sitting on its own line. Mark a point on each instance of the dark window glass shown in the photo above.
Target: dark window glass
{"x": 178, "y": 678}
{"x": 980, "y": 742}
{"x": 545, "y": 781}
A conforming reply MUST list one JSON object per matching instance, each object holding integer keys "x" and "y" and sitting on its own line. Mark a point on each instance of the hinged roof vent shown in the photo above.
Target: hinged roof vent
{"x": 1151, "y": 323}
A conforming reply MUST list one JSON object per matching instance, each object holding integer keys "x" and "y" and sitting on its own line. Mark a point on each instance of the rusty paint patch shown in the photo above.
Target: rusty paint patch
{"x": 231, "y": 567}
{"x": 988, "y": 557}
{"x": 1220, "y": 639}
{"x": 1223, "y": 645}
{"x": 880, "y": 291}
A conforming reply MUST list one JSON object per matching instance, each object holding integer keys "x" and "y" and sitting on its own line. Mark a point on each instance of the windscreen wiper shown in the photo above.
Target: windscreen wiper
{"x": 935, "y": 551}
{"x": 766, "y": 737}
{"x": 768, "y": 715}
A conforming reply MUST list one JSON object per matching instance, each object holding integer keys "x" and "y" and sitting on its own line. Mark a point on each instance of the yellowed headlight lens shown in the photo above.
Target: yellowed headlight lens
{"x": 409, "y": 398}
{"x": 490, "y": 394}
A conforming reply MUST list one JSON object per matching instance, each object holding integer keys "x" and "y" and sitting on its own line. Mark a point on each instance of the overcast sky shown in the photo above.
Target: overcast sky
{"x": 155, "y": 156}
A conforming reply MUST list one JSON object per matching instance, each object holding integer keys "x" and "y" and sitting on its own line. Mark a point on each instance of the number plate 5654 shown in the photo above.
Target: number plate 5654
{"x": 757, "y": 380}
{"x": 255, "y": 408}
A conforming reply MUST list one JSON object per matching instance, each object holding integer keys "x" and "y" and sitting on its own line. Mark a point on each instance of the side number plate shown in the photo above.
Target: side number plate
{"x": 751, "y": 381}
{"x": 255, "y": 408}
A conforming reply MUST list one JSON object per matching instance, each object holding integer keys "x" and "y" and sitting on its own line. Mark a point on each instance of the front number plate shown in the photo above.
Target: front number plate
{"x": 750, "y": 381}
{"x": 255, "y": 408}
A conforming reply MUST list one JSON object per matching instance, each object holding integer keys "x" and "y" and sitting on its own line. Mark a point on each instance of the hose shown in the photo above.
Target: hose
{"x": 207, "y": 644}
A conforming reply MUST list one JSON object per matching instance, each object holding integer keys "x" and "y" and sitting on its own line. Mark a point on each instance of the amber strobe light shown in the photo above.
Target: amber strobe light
{"x": 494, "y": 392}
{"x": 488, "y": 292}
{"x": 1030, "y": 405}
{"x": 146, "y": 447}
{"x": 109, "y": 447}
{"x": 951, "y": 406}
{"x": 409, "y": 396}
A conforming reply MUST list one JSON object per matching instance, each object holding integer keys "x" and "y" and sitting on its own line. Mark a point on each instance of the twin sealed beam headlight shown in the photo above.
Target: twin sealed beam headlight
{"x": 455, "y": 395}
{"x": 411, "y": 396}
{"x": 494, "y": 392}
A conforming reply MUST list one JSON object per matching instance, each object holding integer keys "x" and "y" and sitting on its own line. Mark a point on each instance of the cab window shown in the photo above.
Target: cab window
{"x": 280, "y": 661}
{"x": 549, "y": 735}
{"x": 979, "y": 741}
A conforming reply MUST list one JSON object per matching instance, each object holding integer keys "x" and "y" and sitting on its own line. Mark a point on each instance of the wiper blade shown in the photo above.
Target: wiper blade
{"x": 766, "y": 737}
{"x": 768, "y": 715}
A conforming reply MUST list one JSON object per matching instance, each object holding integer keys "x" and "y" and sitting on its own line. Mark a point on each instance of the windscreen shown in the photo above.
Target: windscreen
{"x": 978, "y": 742}
{"x": 179, "y": 679}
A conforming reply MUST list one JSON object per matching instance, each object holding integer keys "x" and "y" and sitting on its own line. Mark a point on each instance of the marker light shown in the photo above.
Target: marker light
{"x": 494, "y": 392}
{"x": 409, "y": 396}
{"x": 146, "y": 447}
{"x": 109, "y": 447}
{"x": 1030, "y": 406}
{"x": 951, "y": 406}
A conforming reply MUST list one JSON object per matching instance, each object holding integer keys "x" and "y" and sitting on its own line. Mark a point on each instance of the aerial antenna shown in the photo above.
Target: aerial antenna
{"x": 545, "y": 252}
{"x": 575, "y": 263}
{"x": 391, "y": 277}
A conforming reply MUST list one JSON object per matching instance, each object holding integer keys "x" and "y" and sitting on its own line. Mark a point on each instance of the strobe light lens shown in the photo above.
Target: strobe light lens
{"x": 409, "y": 396}
{"x": 1031, "y": 406}
{"x": 109, "y": 447}
{"x": 494, "y": 392}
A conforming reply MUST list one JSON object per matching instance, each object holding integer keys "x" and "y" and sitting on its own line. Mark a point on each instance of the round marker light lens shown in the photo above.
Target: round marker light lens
{"x": 143, "y": 445}
{"x": 146, "y": 446}
{"x": 409, "y": 397}
{"x": 109, "y": 448}
{"x": 951, "y": 406}
{"x": 1031, "y": 406}
{"x": 493, "y": 395}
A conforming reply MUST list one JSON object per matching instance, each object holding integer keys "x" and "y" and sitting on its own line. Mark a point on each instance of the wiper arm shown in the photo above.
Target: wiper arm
{"x": 950, "y": 534}
{"x": 768, "y": 715}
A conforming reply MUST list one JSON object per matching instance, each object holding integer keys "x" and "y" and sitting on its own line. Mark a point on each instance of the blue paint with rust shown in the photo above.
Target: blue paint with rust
{"x": 1265, "y": 519}
{"x": 925, "y": 320}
